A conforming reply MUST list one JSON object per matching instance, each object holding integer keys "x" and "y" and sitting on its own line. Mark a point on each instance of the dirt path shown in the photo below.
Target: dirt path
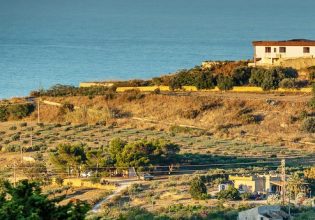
{"x": 122, "y": 186}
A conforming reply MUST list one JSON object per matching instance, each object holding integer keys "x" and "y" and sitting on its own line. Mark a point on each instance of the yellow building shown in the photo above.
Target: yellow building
{"x": 256, "y": 183}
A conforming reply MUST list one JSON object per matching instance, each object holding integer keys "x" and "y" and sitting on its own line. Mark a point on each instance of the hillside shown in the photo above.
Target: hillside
{"x": 262, "y": 118}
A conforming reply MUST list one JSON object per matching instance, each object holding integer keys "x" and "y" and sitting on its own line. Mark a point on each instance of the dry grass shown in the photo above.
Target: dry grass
{"x": 215, "y": 113}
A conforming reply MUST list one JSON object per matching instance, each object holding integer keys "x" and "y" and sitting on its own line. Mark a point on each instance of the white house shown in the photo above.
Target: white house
{"x": 263, "y": 213}
{"x": 271, "y": 52}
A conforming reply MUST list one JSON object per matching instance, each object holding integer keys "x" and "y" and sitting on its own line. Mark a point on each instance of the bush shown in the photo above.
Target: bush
{"x": 270, "y": 78}
{"x": 66, "y": 90}
{"x": 205, "y": 80}
{"x": 290, "y": 83}
{"x": 23, "y": 124}
{"x": 230, "y": 194}
{"x": 311, "y": 103}
{"x": 20, "y": 111}
{"x": 309, "y": 125}
{"x": 225, "y": 83}
{"x": 3, "y": 114}
{"x": 311, "y": 75}
{"x": 11, "y": 148}
{"x": 133, "y": 94}
{"x": 198, "y": 189}
{"x": 189, "y": 114}
{"x": 246, "y": 196}
{"x": 13, "y": 128}
{"x": 241, "y": 75}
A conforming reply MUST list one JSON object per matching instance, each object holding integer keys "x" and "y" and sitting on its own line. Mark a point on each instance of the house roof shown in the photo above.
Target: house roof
{"x": 294, "y": 42}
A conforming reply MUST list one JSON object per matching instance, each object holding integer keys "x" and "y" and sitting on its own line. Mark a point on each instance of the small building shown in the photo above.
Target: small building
{"x": 224, "y": 185}
{"x": 273, "y": 52}
{"x": 257, "y": 183}
{"x": 264, "y": 213}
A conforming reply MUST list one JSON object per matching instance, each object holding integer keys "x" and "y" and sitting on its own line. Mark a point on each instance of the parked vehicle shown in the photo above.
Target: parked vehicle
{"x": 86, "y": 174}
{"x": 146, "y": 177}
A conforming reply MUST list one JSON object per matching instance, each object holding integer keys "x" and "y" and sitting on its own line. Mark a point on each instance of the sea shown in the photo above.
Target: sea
{"x": 48, "y": 42}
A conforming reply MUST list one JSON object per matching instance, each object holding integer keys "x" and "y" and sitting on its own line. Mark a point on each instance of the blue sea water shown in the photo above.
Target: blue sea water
{"x": 45, "y": 42}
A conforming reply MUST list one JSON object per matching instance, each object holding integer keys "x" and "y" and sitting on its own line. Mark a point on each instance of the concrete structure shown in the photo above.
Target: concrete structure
{"x": 263, "y": 213}
{"x": 257, "y": 183}
{"x": 224, "y": 185}
{"x": 273, "y": 52}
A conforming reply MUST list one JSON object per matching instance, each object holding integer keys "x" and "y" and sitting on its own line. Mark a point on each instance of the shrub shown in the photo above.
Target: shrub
{"x": 230, "y": 194}
{"x": 270, "y": 78}
{"x": 66, "y": 90}
{"x": 3, "y": 114}
{"x": 189, "y": 114}
{"x": 23, "y": 124}
{"x": 13, "y": 128}
{"x": 133, "y": 94}
{"x": 225, "y": 83}
{"x": 20, "y": 111}
{"x": 311, "y": 103}
{"x": 15, "y": 137}
{"x": 205, "y": 80}
{"x": 59, "y": 180}
{"x": 245, "y": 196}
{"x": 311, "y": 75}
{"x": 157, "y": 91}
{"x": 289, "y": 83}
{"x": 11, "y": 148}
{"x": 309, "y": 125}
{"x": 198, "y": 189}
{"x": 241, "y": 75}
{"x": 257, "y": 76}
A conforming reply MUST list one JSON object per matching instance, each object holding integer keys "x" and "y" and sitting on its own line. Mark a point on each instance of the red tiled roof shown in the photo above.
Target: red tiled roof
{"x": 295, "y": 42}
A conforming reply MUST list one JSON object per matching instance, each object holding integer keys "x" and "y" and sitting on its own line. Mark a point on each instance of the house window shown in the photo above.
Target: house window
{"x": 267, "y": 49}
{"x": 275, "y": 50}
{"x": 282, "y": 49}
{"x": 306, "y": 50}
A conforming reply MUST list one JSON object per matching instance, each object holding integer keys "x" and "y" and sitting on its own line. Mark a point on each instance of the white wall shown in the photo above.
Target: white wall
{"x": 291, "y": 52}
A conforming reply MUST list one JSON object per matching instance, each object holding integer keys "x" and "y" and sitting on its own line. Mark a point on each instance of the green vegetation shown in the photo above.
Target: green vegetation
{"x": 309, "y": 125}
{"x": 229, "y": 194}
{"x": 25, "y": 201}
{"x": 143, "y": 153}
{"x": 225, "y": 75}
{"x": 65, "y": 90}
{"x": 198, "y": 189}
{"x": 15, "y": 111}
{"x": 69, "y": 157}
{"x": 270, "y": 78}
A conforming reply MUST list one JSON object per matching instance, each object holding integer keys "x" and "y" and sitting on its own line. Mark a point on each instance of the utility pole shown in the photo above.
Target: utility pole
{"x": 21, "y": 149}
{"x": 38, "y": 110}
{"x": 283, "y": 180}
{"x": 32, "y": 138}
{"x": 14, "y": 173}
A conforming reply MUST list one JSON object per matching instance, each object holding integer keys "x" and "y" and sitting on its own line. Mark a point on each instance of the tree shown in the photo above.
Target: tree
{"x": 3, "y": 113}
{"x": 69, "y": 157}
{"x": 25, "y": 201}
{"x": 116, "y": 146}
{"x": 205, "y": 80}
{"x": 142, "y": 153}
{"x": 296, "y": 184}
{"x": 97, "y": 158}
{"x": 241, "y": 75}
{"x": 197, "y": 189}
{"x": 230, "y": 193}
{"x": 225, "y": 82}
